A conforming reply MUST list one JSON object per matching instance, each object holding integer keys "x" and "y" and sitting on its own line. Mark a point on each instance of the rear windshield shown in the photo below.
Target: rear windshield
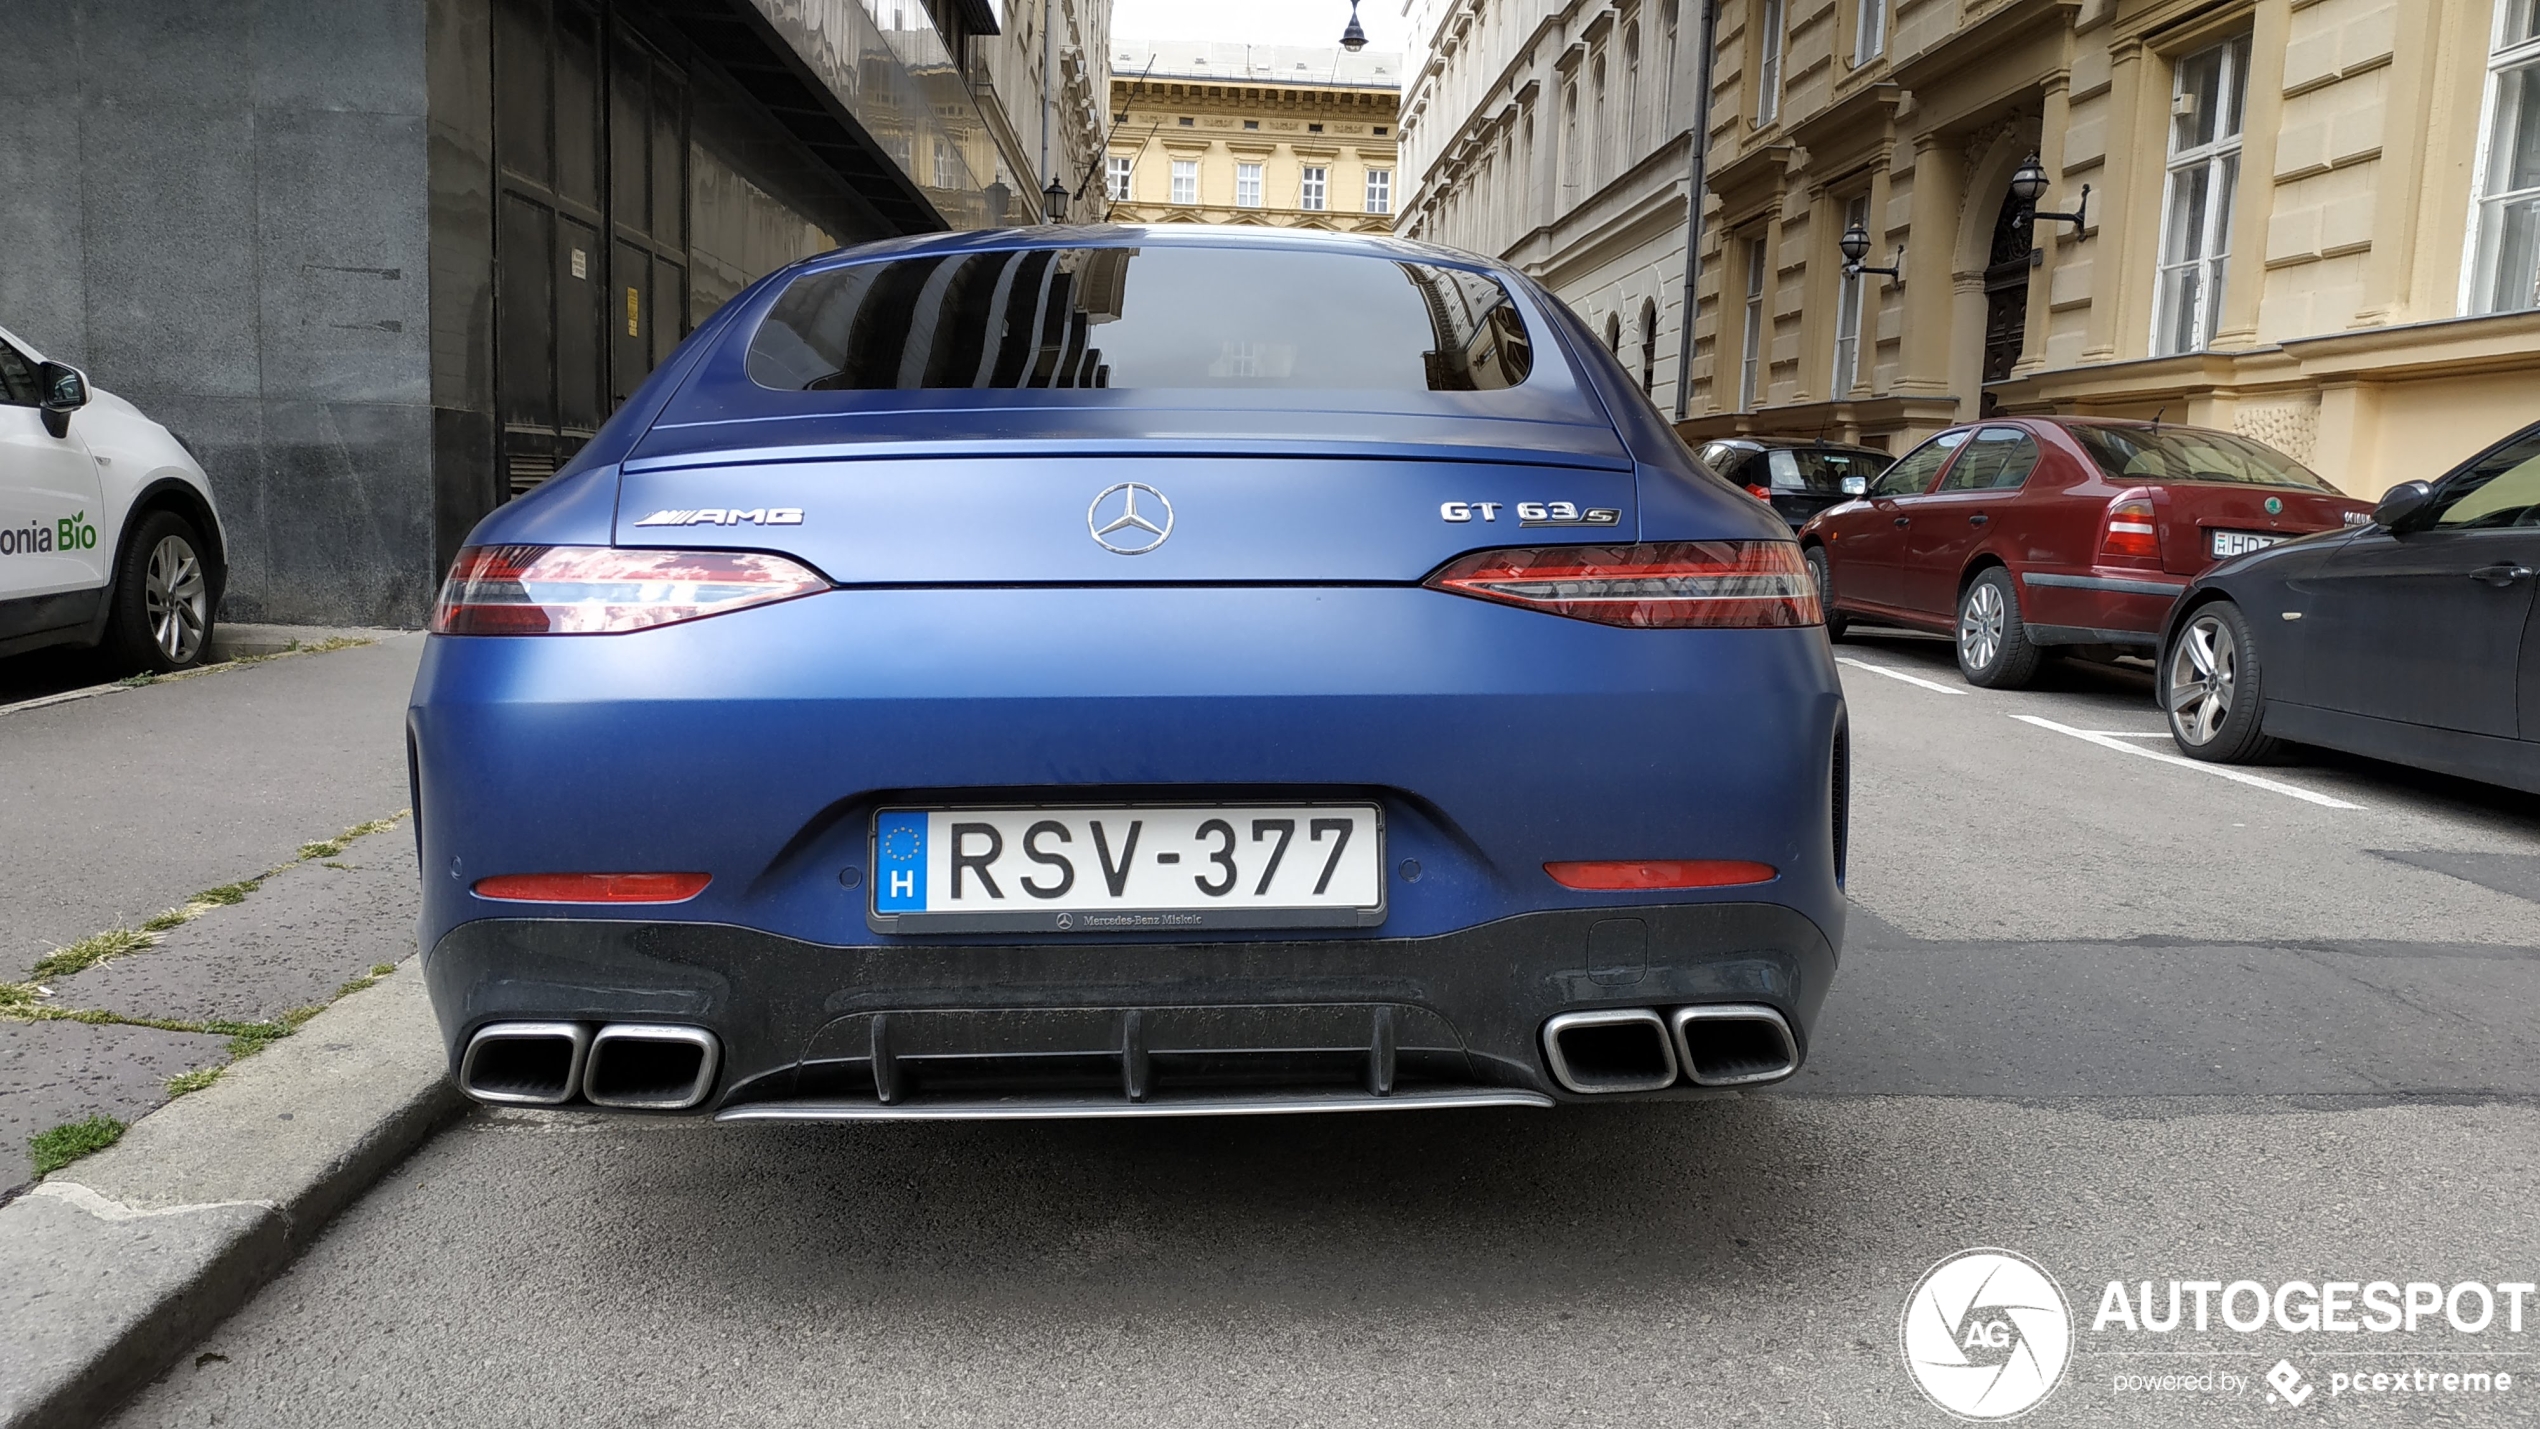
{"x": 1143, "y": 317}
{"x": 1813, "y": 469}
{"x": 2191, "y": 454}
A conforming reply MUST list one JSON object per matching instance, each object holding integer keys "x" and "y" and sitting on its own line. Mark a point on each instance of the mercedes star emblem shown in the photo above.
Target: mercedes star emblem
{"x": 1120, "y": 527}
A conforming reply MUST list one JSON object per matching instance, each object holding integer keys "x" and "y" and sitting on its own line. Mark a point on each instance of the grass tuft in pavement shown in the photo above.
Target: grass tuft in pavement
{"x": 193, "y": 1081}
{"x": 88, "y": 952}
{"x": 72, "y": 1140}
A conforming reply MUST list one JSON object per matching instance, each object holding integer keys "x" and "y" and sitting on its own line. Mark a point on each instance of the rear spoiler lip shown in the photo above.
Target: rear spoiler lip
{"x": 1304, "y": 449}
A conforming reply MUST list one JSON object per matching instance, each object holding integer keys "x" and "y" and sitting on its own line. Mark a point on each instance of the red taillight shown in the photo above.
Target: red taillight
{"x": 1662, "y": 584}
{"x": 1627, "y": 875}
{"x": 1761, "y": 494}
{"x": 593, "y": 887}
{"x": 599, "y": 590}
{"x": 2131, "y": 531}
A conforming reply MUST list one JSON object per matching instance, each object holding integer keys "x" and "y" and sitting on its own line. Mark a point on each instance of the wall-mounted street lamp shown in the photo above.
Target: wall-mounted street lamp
{"x": 1054, "y": 202}
{"x": 2028, "y": 185}
{"x": 1856, "y": 246}
{"x": 1353, "y": 39}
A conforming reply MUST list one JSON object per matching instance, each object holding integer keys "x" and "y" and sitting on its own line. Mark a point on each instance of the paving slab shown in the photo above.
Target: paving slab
{"x": 115, "y": 807}
{"x": 53, "y": 1072}
{"x": 301, "y": 935}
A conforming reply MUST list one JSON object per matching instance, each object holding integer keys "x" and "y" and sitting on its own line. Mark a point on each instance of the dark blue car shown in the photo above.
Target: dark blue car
{"x": 1129, "y": 671}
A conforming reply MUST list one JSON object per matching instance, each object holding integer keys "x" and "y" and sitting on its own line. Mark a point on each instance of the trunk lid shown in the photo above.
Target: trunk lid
{"x": 981, "y": 519}
{"x": 2191, "y": 513}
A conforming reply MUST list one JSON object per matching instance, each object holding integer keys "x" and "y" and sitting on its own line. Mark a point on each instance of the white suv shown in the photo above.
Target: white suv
{"x": 108, "y": 534}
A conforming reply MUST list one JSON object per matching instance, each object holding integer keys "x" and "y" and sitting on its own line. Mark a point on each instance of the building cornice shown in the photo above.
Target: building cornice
{"x": 1966, "y": 50}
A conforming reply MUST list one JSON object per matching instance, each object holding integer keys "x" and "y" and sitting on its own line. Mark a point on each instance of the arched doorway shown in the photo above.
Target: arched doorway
{"x": 2006, "y": 290}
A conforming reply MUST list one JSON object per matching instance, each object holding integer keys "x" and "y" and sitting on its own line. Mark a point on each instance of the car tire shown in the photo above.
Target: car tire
{"x": 1994, "y": 652}
{"x": 1822, "y": 573}
{"x": 163, "y": 597}
{"x": 2213, "y": 688}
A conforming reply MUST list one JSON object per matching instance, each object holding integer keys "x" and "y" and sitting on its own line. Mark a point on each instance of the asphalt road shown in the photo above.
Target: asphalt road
{"x": 2131, "y": 1019}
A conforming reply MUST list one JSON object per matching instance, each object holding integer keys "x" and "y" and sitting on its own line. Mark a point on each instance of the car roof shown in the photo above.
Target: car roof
{"x": 1758, "y": 444}
{"x": 1150, "y": 235}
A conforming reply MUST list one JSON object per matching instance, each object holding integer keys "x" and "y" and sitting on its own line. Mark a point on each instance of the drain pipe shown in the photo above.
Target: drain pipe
{"x": 1693, "y": 210}
{"x": 1049, "y": 90}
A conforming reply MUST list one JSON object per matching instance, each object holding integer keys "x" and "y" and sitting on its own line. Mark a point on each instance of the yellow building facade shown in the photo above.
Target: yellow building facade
{"x": 2315, "y": 222}
{"x": 1276, "y": 136}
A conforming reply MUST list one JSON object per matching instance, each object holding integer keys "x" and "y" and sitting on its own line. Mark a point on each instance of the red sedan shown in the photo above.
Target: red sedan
{"x": 2022, "y": 535}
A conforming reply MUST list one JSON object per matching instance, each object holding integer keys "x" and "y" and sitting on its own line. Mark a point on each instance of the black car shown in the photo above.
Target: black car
{"x": 2411, "y": 639}
{"x": 1796, "y": 478}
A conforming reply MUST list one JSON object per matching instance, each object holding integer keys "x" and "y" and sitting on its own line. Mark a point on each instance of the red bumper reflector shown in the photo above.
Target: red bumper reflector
{"x": 593, "y": 887}
{"x": 1627, "y": 875}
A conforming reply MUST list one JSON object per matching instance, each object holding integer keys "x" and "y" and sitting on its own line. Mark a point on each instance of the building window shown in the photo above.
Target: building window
{"x": 1313, "y": 128}
{"x": 1648, "y": 345}
{"x": 1600, "y": 113}
{"x": 1768, "y": 61}
{"x": 1380, "y": 190}
{"x": 1379, "y": 129}
{"x": 1847, "y": 310}
{"x": 1310, "y": 190}
{"x": 1186, "y": 182}
{"x": 1614, "y": 333}
{"x": 1252, "y": 124}
{"x": 1751, "y": 369}
{"x": 1247, "y": 186}
{"x": 1117, "y": 169}
{"x": 2507, "y": 226}
{"x": 1186, "y": 121}
{"x": 1631, "y": 96}
{"x": 2204, "y": 173}
{"x": 1667, "y": 63}
{"x": 1569, "y": 144}
{"x": 1869, "y": 32}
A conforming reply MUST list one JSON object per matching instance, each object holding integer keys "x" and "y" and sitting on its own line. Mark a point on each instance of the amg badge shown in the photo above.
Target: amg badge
{"x": 711, "y": 516}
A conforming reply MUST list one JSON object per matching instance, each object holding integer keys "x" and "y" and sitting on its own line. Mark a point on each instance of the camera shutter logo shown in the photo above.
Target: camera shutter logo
{"x": 1987, "y": 1334}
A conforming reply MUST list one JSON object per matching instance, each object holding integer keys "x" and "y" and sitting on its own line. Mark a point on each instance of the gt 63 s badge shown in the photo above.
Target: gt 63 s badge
{"x": 1531, "y": 513}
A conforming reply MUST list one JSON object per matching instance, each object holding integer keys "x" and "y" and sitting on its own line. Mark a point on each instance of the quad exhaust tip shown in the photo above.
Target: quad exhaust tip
{"x": 1734, "y": 1046}
{"x": 1634, "y": 1049}
{"x": 525, "y": 1063}
{"x": 648, "y": 1068}
{"x": 1613, "y": 1049}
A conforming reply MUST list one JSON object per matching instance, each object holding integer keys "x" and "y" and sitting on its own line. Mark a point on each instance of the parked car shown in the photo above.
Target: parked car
{"x": 2411, "y": 640}
{"x": 1129, "y": 671}
{"x": 2024, "y": 535}
{"x": 1796, "y": 478}
{"x": 108, "y": 534}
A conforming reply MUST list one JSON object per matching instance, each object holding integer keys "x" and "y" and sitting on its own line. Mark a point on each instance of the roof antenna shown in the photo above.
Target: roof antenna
{"x": 2156, "y": 417}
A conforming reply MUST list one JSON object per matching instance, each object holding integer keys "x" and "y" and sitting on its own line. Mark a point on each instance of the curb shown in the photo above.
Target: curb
{"x": 111, "y": 1268}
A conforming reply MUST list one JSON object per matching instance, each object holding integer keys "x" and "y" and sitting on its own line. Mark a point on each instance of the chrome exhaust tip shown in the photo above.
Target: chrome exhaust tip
{"x": 651, "y": 1068}
{"x": 1612, "y": 1049}
{"x": 525, "y": 1063}
{"x": 1742, "y": 1045}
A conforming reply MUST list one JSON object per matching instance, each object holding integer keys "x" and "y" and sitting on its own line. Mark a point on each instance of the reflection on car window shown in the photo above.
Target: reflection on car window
{"x": 2503, "y": 489}
{"x": 2132, "y": 454}
{"x": 1152, "y": 317}
{"x": 1822, "y": 469}
{"x": 1910, "y": 476}
{"x": 17, "y": 378}
{"x": 2001, "y": 459}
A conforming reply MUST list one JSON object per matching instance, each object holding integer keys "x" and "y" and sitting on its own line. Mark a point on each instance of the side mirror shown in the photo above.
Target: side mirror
{"x": 1855, "y": 485}
{"x": 2401, "y": 504}
{"x": 64, "y": 390}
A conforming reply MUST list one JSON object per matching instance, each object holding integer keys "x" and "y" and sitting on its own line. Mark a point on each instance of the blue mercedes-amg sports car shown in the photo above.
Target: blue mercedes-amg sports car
{"x": 1077, "y": 672}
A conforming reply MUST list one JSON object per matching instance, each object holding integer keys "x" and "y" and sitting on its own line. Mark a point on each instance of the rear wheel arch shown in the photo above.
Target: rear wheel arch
{"x": 1976, "y": 567}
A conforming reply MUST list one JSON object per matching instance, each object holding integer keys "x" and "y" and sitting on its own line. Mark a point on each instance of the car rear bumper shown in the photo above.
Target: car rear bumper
{"x": 815, "y": 1031}
{"x": 2097, "y": 605}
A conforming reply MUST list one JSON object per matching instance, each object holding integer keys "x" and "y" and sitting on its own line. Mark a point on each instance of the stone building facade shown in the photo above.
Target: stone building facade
{"x": 1276, "y": 135}
{"x": 1557, "y": 137}
{"x": 2316, "y": 222}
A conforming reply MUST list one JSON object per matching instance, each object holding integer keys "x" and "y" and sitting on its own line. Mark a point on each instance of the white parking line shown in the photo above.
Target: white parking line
{"x": 2221, "y": 771}
{"x": 1932, "y": 685}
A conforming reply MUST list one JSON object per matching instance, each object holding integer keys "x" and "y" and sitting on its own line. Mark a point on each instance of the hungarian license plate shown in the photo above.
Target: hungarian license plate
{"x": 1128, "y": 869}
{"x": 2237, "y": 543}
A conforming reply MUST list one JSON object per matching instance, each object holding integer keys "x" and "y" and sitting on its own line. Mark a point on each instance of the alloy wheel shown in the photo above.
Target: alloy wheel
{"x": 1980, "y": 625}
{"x": 2204, "y": 666}
{"x": 176, "y": 599}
